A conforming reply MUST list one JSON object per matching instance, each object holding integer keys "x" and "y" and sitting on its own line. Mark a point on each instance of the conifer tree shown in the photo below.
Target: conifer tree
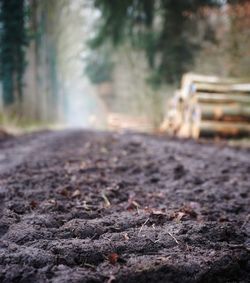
{"x": 164, "y": 29}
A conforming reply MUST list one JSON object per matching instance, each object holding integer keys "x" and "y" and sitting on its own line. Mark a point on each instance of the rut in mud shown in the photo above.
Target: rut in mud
{"x": 80, "y": 206}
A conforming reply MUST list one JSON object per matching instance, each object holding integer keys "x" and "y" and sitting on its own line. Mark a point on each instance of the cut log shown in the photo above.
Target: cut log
{"x": 220, "y": 98}
{"x": 174, "y": 117}
{"x": 222, "y": 88}
{"x": 222, "y": 129}
{"x": 185, "y": 130}
{"x": 190, "y": 79}
{"x": 175, "y": 120}
{"x": 222, "y": 112}
{"x": 211, "y": 106}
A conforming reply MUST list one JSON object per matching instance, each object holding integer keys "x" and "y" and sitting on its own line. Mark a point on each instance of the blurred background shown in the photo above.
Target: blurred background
{"x": 177, "y": 67}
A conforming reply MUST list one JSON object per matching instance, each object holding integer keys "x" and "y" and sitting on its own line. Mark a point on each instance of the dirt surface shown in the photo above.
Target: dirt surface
{"x": 80, "y": 206}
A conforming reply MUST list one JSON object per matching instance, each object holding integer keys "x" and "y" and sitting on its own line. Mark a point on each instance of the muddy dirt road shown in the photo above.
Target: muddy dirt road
{"x": 79, "y": 206}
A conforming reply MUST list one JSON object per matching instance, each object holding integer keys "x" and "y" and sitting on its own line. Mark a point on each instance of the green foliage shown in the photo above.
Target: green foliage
{"x": 13, "y": 40}
{"x": 99, "y": 66}
{"x": 163, "y": 29}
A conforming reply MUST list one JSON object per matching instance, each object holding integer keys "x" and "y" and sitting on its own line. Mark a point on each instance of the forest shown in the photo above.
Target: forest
{"x": 64, "y": 57}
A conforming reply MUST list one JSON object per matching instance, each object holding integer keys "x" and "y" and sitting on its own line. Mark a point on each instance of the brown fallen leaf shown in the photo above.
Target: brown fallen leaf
{"x": 33, "y": 204}
{"x": 64, "y": 192}
{"x": 132, "y": 204}
{"x": 76, "y": 194}
{"x": 157, "y": 216}
{"x": 52, "y": 201}
{"x": 157, "y": 212}
{"x": 179, "y": 216}
{"x": 113, "y": 258}
{"x": 184, "y": 213}
{"x": 189, "y": 210}
{"x": 126, "y": 237}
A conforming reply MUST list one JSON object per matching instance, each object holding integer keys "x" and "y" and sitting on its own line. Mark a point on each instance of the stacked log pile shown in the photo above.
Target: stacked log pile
{"x": 209, "y": 106}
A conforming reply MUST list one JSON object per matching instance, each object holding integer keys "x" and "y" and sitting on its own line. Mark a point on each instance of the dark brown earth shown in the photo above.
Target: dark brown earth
{"x": 80, "y": 206}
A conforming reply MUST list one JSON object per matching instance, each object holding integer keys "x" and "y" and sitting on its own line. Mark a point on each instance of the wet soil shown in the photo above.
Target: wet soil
{"x": 79, "y": 206}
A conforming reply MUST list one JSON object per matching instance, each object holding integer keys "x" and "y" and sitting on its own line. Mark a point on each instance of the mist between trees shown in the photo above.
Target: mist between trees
{"x": 75, "y": 61}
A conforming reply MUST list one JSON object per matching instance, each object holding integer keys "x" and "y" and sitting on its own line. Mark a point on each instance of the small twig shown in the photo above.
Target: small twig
{"x": 151, "y": 240}
{"x": 136, "y": 204}
{"x": 111, "y": 279}
{"x": 236, "y": 245}
{"x": 92, "y": 238}
{"x": 171, "y": 235}
{"x": 106, "y": 200}
{"x": 154, "y": 242}
{"x": 89, "y": 265}
{"x": 143, "y": 226}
